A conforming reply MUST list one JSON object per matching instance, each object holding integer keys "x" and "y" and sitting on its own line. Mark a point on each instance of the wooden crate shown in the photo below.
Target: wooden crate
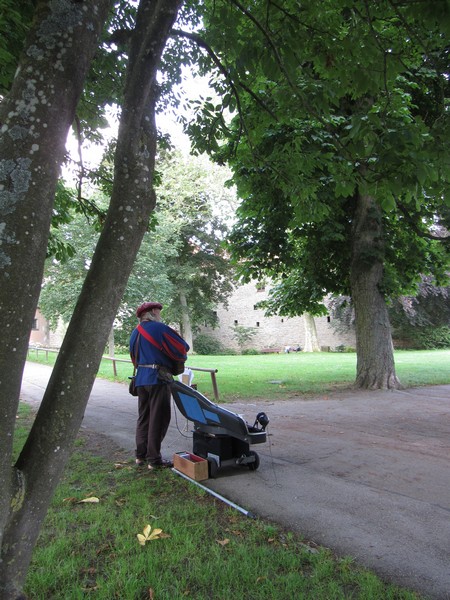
{"x": 191, "y": 465}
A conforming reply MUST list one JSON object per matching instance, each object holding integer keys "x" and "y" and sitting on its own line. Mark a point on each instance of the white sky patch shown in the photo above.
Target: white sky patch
{"x": 191, "y": 88}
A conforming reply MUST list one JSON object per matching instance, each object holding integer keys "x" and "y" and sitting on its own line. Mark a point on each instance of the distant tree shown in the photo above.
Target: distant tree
{"x": 311, "y": 339}
{"x": 190, "y": 202}
{"x": 243, "y": 335}
{"x": 181, "y": 262}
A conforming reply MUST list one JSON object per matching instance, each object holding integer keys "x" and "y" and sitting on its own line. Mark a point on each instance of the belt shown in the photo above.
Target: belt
{"x": 150, "y": 366}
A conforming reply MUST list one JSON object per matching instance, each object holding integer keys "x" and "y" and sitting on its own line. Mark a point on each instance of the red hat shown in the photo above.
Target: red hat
{"x": 146, "y": 307}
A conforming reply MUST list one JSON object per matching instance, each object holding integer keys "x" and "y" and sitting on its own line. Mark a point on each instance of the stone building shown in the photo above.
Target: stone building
{"x": 41, "y": 334}
{"x": 270, "y": 333}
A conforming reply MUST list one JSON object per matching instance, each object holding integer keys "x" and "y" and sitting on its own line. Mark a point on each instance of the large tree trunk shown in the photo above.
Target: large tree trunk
{"x": 311, "y": 341}
{"x": 375, "y": 356}
{"x": 49, "y": 444}
{"x": 35, "y": 118}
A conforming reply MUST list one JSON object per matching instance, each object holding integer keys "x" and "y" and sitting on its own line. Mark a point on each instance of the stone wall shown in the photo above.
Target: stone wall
{"x": 270, "y": 332}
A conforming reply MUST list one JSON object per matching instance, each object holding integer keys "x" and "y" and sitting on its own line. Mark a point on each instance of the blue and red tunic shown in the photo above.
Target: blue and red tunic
{"x": 166, "y": 346}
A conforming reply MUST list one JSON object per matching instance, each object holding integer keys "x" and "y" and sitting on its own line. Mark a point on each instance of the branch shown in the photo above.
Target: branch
{"x": 120, "y": 37}
{"x": 298, "y": 21}
{"x": 80, "y": 157}
{"x": 268, "y": 39}
{"x": 381, "y": 48}
{"x": 258, "y": 100}
{"x": 202, "y": 44}
{"x": 407, "y": 27}
{"x": 417, "y": 230}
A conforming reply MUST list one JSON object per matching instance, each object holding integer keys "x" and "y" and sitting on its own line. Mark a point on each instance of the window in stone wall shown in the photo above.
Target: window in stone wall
{"x": 328, "y": 319}
{"x": 257, "y": 323}
{"x": 282, "y": 320}
{"x": 35, "y": 325}
{"x": 235, "y": 321}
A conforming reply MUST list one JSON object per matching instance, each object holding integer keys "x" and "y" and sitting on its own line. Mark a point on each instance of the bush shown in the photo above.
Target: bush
{"x": 205, "y": 344}
{"x": 118, "y": 349}
{"x": 250, "y": 351}
{"x": 432, "y": 337}
{"x": 229, "y": 352}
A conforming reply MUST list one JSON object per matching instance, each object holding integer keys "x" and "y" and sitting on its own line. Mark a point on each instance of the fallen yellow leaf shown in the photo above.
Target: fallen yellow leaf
{"x": 148, "y": 535}
{"x": 155, "y": 534}
{"x": 91, "y": 500}
{"x": 223, "y": 542}
{"x": 147, "y": 530}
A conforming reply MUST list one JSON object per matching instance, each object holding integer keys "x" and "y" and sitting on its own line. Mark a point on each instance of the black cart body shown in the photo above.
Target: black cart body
{"x": 220, "y": 435}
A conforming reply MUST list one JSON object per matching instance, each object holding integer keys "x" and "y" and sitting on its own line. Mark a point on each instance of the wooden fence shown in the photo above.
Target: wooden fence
{"x": 114, "y": 361}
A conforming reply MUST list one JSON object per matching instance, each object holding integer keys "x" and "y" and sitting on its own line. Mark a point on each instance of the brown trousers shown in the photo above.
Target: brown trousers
{"x": 153, "y": 420}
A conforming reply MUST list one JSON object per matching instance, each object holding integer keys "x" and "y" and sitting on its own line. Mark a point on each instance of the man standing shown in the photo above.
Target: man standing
{"x": 154, "y": 347}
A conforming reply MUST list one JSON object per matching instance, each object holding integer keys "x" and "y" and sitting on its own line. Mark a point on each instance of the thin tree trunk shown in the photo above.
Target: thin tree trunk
{"x": 375, "y": 357}
{"x": 111, "y": 343}
{"x": 186, "y": 329}
{"x": 311, "y": 341}
{"x": 49, "y": 445}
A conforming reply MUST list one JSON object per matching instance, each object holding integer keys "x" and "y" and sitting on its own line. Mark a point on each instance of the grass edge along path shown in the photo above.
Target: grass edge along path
{"x": 283, "y": 376}
{"x": 202, "y": 548}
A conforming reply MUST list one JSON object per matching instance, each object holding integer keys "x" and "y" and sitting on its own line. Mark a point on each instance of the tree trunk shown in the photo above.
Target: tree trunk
{"x": 35, "y": 117}
{"x": 311, "y": 341}
{"x": 42, "y": 460}
{"x": 186, "y": 329}
{"x": 375, "y": 356}
{"x": 111, "y": 343}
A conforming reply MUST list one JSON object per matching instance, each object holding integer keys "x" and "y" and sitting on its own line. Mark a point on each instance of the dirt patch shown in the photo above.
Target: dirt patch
{"x": 101, "y": 445}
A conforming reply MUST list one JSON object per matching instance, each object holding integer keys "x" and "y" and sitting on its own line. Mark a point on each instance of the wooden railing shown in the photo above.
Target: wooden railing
{"x": 114, "y": 361}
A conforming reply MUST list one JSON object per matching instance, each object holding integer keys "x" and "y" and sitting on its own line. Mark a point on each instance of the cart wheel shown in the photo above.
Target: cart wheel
{"x": 254, "y": 465}
{"x": 213, "y": 468}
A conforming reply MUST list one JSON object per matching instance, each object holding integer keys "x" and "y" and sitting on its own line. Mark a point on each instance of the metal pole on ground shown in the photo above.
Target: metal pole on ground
{"x": 247, "y": 513}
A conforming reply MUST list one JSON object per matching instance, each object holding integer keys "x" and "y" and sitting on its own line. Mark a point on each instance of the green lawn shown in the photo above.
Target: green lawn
{"x": 281, "y": 376}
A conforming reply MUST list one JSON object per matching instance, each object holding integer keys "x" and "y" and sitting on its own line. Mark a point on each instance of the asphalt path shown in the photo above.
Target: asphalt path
{"x": 366, "y": 474}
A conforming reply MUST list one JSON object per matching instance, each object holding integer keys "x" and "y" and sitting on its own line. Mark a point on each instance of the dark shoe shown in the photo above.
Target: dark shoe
{"x": 140, "y": 462}
{"x": 161, "y": 464}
